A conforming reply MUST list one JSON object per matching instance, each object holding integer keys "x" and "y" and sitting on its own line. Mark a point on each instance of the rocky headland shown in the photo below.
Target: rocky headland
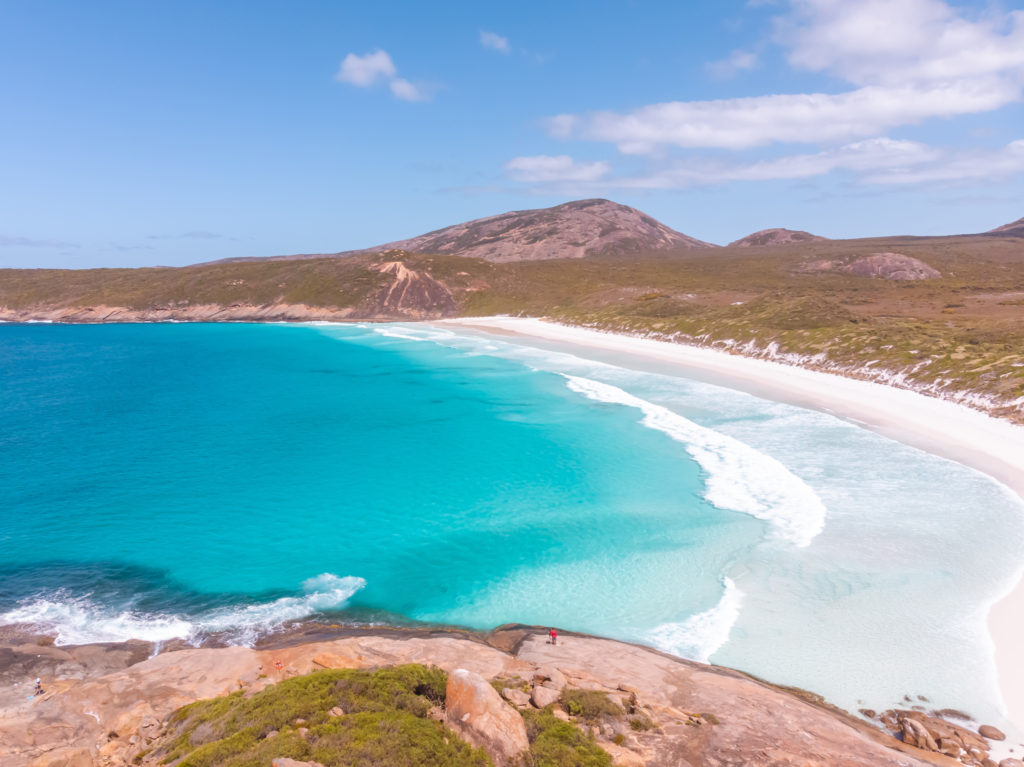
{"x": 112, "y": 705}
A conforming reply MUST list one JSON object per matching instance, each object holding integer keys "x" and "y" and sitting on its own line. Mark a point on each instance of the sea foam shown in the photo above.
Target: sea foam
{"x": 701, "y": 635}
{"x": 79, "y": 620}
{"x": 738, "y": 476}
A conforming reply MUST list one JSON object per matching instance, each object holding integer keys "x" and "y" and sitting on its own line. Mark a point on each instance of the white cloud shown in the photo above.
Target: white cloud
{"x": 495, "y": 42}
{"x": 760, "y": 120}
{"x": 878, "y": 161}
{"x": 909, "y": 60}
{"x": 544, "y": 169}
{"x": 405, "y": 90}
{"x": 953, "y": 167}
{"x": 871, "y": 155}
{"x": 887, "y": 42}
{"x": 874, "y": 155}
{"x": 736, "y": 62}
{"x": 364, "y": 71}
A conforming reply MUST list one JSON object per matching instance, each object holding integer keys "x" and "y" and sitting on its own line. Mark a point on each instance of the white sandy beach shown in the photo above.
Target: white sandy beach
{"x": 990, "y": 445}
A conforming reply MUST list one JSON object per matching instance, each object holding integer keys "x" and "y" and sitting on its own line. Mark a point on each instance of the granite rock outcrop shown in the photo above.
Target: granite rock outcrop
{"x": 109, "y": 712}
{"x": 886, "y": 266}
{"x": 475, "y": 710}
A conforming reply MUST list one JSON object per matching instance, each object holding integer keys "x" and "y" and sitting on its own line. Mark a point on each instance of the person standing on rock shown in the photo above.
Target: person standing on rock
{"x": 554, "y": 636}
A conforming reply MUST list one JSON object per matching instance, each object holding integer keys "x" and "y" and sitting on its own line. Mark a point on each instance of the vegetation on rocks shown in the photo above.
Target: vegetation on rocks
{"x": 338, "y": 718}
{"x": 356, "y": 718}
{"x": 590, "y": 705}
{"x": 556, "y": 743}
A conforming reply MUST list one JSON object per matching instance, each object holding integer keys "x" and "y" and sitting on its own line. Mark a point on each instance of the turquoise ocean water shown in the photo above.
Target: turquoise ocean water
{"x": 163, "y": 481}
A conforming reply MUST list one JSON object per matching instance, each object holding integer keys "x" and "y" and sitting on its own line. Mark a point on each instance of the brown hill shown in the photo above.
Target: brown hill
{"x": 1014, "y": 229}
{"x": 769, "y": 237}
{"x": 571, "y": 230}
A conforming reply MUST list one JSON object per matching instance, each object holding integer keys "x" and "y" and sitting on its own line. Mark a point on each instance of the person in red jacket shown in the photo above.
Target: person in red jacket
{"x": 554, "y": 636}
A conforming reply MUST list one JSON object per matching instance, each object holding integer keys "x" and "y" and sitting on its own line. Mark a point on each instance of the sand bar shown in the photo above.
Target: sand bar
{"x": 990, "y": 445}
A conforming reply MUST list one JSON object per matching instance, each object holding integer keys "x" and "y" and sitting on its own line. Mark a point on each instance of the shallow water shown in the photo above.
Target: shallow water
{"x": 178, "y": 480}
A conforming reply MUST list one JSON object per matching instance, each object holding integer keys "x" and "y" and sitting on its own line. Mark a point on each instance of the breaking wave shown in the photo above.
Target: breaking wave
{"x": 700, "y": 636}
{"x": 738, "y": 476}
{"x": 76, "y": 620}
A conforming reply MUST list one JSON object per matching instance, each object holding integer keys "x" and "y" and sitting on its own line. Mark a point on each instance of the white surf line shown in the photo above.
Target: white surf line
{"x": 990, "y": 445}
{"x": 700, "y": 636}
{"x": 739, "y": 477}
{"x": 79, "y": 620}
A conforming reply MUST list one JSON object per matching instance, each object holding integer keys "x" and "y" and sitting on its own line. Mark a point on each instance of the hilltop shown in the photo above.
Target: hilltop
{"x": 773, "y": 237}
{"x": 572, "y": 230}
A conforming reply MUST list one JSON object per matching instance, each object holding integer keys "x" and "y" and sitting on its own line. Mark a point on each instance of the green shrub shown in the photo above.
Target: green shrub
{"x": 385, "y": 723}
{"x": 590, "y": 705}
{"x": 382, "y": 739}
{"x": 554, "y": 743}
{"x": 640, "y": 722}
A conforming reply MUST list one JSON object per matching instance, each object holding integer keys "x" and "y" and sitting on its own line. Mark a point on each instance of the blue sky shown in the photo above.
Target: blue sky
{"x": 137, "y": 134}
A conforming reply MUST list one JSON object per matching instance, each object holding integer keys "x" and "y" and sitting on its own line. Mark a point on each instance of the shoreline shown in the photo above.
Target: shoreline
{"x": 990, "y": 445}
{"x": 109, "y": 704}
{"x": 987, "y": 444}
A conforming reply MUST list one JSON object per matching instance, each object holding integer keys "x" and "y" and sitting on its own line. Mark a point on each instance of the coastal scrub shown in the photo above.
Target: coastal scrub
{"x": 337, "y": 717}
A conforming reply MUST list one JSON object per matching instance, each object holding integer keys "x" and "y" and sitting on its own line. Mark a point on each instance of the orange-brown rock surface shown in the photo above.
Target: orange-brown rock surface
{"x": 475, "y": 710}
{"x": 107, "y": 712}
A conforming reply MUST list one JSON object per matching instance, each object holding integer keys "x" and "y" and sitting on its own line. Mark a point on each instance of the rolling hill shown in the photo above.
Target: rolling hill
{"x": 942, "y": 315}
{"x": 572, "y": 230}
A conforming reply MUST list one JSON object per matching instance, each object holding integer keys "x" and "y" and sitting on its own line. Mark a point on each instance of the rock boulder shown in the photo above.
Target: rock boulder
{"x": 549, "y": 676}
{"x": 544, "y": 696}
{"x": 515, "y": 696}
{"x": 476, "y": 712}
{"x": 990, "y": 732}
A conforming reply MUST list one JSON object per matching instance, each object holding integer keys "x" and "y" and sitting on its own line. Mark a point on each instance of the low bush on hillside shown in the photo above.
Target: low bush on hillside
{"x": 384, "y": 723}
{"x": 590, "y": 705}
{"x": 555, "y": 743}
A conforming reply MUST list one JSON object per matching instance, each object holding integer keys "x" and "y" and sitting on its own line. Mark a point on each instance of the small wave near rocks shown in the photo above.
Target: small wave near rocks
{"x": 74, "y": 620}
